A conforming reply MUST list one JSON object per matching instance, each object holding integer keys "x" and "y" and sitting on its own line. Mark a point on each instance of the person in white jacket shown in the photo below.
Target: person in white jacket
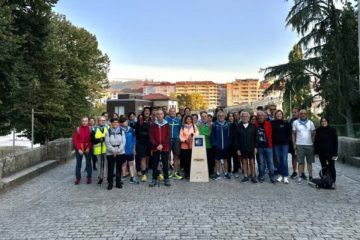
{"x": 115, "y": 145}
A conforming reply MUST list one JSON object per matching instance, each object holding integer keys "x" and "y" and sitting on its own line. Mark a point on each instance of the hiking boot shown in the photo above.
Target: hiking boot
{"x": 144, "y": 178}
{"x": 133, "y": 180}
{"x": 293, "y": 175}
{"x": 280, "y": 179}
{"x": 245, "y": 179}
{"x": 89, "y": 180}
{"x": 77, "y": 181}
{"x": 286, "y": 180}
{"x": 253, "y": 180}
{"x": 153, "y": 183}
{"x": 227, "y": 176}
{"x": 167, "y": 182}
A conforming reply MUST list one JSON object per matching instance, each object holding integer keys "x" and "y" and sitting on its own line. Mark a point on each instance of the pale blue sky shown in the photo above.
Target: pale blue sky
{"x": 172, "y": 40}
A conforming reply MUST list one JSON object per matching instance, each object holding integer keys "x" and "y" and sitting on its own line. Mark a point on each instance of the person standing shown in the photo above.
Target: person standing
{"x": 83, "y": 147}
{"x": 264, "y": 143}
{"x": 187, "y": 132}
{"x": 295, "y": 116}
{"x": 175, "y": 125}
{"x": 220, "y": 139}
{"x": 143, "y": 144}
{"x": 130, "y": 143}
{"x": 326, "y": 146}
{"x": 281, "y": 132}
{"x": 159, "y": 135}
{"x": 99, "y": 149}
{"x": 303, "y": 136}
{"x": 245, "y": 142}
{"x": 115, "y": 150}
{"x": 204, "y": 126}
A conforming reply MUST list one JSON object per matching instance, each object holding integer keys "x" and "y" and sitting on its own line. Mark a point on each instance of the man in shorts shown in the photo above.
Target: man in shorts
{"x": 303, "y": 138}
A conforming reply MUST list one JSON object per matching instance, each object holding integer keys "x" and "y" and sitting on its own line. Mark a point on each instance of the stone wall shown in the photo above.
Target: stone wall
{"x": 349, "y": 150}
{"x": 60, "y": 149}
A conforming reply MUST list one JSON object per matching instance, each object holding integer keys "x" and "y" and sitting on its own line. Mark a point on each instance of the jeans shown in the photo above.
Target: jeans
{"x": 265, "y": 158}
{"x": 163, "y": 157}
{"x": 79, "y": 158}
{"x": 281, "y": 156}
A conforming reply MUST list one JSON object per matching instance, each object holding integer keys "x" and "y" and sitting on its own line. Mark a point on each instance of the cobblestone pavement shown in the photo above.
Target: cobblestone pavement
{"x": 51, "y": 207}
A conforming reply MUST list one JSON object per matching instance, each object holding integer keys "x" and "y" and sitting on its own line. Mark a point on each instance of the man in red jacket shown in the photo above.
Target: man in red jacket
{"x": 264, "y": 143}
{"x": 83, "y": 146}
{"x": 159, "y": 136}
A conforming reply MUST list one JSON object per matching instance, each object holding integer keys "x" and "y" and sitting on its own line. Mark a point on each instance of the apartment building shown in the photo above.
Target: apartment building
{"x": 242, "y": 91}
{"x": 164, "y": 88}
{"x": 208, "y": 89}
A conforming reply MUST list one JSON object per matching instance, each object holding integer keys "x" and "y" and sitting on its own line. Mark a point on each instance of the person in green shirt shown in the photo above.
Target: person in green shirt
{"x": 204, "y": 126}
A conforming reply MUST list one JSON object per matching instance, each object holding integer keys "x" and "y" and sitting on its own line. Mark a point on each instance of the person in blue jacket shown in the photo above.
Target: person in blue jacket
{"x": 129, "y": 148}
{"x": 220, "y": 139}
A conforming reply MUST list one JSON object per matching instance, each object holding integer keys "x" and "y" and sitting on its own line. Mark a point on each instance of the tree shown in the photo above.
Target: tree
{"x": 195, "y": 101}
{"x": 329, "y": 37}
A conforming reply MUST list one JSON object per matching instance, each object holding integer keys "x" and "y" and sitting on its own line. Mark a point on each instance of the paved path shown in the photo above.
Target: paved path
{"x": 51, "y": 207}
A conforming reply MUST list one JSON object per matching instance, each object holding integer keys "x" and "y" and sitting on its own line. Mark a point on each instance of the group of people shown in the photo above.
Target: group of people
{"x": 235, "y": 143}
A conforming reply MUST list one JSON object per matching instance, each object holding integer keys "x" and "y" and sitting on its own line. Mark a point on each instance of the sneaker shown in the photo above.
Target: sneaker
{"x": 133, "y": 180}
{"x": 245, "y": 179}
{"x": 161, "y": 177}
{"x": 167, "y": 182}
{"x": 286, "y": 180}
{"x": 227, "y": 176}
{"x": 176, "y": 176}
{"x": 273, "y": 181}
{"x": 280, "y": 179}
{"x": 261, "y": 180}
{"x": 119, "y": 185}
{"x": 144, "y": 178}
{"x": 109, "y": 187}
{"x": 217, "y": 177}
{"x": 89, "y": 180}
{"x": 153, "y": 183}
{"x": 299, "y": 181}
{"x": 253, "y": 180}
{"x": 293, "y": 175}
{"x": 77, "y": 181}
{"x": 236, "y": 175}
{"x": 303, "y": 176}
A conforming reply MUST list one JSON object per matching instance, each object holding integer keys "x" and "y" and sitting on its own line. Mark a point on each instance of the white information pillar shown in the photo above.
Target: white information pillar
{"x": 199, "y": 167}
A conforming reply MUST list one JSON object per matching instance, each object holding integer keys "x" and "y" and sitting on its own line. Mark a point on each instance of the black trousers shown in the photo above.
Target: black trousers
{"x": 185, "y": 159}
{"x": 156, "y": 158}
{"x": 330, "y": 164}
{"x": 113, "y": 161}
{"x": 210, "y": 160}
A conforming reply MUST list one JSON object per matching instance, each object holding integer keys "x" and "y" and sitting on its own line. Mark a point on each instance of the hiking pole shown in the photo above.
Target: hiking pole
{"x": 159, "y": 167}
{"x": 102, "y": 164}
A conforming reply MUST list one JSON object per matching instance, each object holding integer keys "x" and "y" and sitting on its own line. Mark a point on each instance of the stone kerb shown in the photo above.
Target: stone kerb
{"x": 349, "y": 150}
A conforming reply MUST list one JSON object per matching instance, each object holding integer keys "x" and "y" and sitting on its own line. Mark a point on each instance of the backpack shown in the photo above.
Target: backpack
{"x": 326, "y": 181}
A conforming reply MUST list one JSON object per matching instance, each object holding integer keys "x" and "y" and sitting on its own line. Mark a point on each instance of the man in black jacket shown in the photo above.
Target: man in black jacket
{"x": 245, "y": 142}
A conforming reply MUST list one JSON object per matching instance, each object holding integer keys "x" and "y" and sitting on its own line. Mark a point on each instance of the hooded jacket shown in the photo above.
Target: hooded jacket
{"x": 220, "y": 135}
{"x": 159, "y": 133}
{"x": 115, "y": 140}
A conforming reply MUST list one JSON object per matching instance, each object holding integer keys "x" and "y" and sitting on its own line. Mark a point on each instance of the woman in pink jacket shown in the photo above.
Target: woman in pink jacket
{"x": 187, "y": 132}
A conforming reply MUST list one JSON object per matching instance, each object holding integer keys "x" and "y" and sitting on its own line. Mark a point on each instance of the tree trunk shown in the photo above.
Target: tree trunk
{"x": 349, "y": 122}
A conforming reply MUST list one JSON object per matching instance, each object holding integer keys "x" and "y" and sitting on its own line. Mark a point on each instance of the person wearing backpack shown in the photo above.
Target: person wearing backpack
{"x": 83, "y": 147}
{"x": 326, "y": 147}
{"x": 99, "y": 146}
{"x": 115, "y": 150}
